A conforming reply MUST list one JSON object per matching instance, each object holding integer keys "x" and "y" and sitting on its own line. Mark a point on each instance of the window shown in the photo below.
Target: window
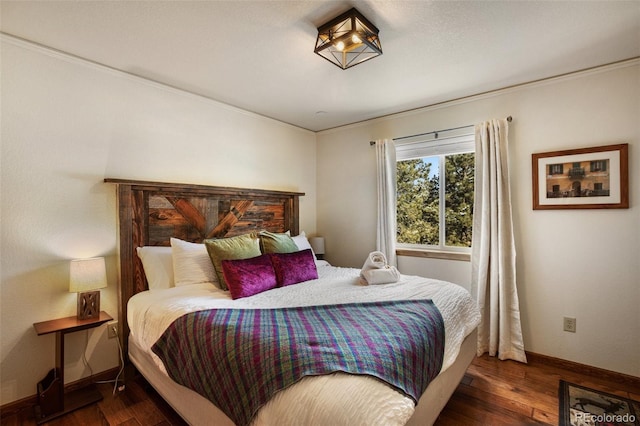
{"x": 599, "y": 165}
{"x": 576, "y": 171}
{"x": 556, "y": 169}
{"x": 435, "y": 193}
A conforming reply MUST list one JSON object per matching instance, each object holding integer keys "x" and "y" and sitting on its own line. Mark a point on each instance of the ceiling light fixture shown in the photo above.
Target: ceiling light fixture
{"x": 348, "y": 40}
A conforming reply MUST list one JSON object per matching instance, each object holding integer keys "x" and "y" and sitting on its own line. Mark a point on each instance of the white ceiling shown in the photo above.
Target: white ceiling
{"x": 258, "y": 55}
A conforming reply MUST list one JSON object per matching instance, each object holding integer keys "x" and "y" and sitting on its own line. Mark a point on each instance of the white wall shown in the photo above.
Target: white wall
{"x": 583, "y": 264}
{"x": 68, "y": 124}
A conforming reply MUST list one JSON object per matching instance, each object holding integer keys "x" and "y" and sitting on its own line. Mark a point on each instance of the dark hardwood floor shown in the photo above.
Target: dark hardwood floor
{"x": 492, "y": 393}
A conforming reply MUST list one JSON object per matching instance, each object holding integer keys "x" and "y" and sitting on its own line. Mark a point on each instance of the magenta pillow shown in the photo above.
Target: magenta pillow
{"x": 293, "y": 268}
{"x": 246, "y": 277}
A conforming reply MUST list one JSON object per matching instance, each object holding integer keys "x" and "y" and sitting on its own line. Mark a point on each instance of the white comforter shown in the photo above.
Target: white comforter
{"x": 151, "y": 312}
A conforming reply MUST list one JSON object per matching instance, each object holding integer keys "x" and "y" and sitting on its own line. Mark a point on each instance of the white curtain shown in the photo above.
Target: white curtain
{"x": 493, "y": 259}
{"x": 386, "y": 180}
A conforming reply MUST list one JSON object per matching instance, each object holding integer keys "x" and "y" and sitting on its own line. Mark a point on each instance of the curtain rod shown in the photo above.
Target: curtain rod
{"x": 371, "y": 143}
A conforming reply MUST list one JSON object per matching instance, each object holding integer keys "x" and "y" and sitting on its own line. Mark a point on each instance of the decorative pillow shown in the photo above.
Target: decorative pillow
{"x": 157, "y": 263}
{"x": 293, "y": 268}
{"x": 271, "y": 242}
{"x": 302, "y": 242}
{"x": 246, "y": 277}
{"x": 191, "y": 264}
{"x": 232, "y": 248}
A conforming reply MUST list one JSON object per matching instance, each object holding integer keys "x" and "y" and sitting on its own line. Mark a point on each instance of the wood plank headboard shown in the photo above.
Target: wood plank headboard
{"x": 150, "y": 213}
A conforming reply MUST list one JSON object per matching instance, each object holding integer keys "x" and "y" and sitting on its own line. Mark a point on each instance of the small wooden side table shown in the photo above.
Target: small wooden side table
{"x": 52, "y": 402}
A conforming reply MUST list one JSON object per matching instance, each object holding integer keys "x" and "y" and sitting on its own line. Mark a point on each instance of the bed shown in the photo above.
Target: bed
{"x": 153, "y": 215}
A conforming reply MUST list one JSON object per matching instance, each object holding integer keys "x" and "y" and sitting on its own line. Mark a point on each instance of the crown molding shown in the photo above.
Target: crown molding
{"x": 97, "y": 66}
{"x": 493, "y": 93}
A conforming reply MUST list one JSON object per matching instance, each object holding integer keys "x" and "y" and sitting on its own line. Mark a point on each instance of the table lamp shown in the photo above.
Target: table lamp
{"x": 86, "y": 276}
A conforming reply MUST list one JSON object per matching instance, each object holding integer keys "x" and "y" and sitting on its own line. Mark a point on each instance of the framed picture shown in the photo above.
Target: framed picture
{"x": 586, "y": 178}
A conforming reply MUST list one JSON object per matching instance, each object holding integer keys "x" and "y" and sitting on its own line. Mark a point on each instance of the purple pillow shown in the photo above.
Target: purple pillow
{"x": 293, "y": 268}
{"x": 246, "y": 277}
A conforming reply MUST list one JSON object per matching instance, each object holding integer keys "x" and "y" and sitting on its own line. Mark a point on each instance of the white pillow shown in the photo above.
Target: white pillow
{"x": 158, "y": 266}
{"x": 192, "y": 264}
{"x": 303, "y": 243}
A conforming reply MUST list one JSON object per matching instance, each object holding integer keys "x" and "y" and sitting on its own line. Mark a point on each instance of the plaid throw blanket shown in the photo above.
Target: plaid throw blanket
{"x": 239, "y": 358}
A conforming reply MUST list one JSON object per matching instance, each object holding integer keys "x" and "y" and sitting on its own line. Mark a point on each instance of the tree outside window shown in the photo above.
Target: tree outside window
{"x": 432, "y": 214}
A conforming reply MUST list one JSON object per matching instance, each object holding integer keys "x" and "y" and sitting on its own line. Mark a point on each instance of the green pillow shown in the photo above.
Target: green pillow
{"x": 271, "y": 242}
{"x": 240, "y": 247}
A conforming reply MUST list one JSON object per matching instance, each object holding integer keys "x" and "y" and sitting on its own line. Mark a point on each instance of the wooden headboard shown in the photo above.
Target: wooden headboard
{"x": 150, "y": 213}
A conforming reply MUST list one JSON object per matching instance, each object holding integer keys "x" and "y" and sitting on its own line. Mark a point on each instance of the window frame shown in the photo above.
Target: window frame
{"x": 415, "y": 148}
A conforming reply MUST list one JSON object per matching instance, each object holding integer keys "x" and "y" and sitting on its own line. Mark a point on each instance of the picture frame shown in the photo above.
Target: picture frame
{"x": 584, "y": 178}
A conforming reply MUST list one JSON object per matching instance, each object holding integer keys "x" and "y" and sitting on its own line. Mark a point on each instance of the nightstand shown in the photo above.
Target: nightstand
{"x": 52, "y": 402}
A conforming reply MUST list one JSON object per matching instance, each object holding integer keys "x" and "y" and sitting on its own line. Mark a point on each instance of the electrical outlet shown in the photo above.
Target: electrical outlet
{"x": 570, "y": 324}
{"x": 112, "y": 328}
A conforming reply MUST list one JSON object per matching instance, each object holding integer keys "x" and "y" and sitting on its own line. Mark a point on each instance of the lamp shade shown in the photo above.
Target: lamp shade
{"x": 348, "y": 40}
{"x": 317, "y": 244}
{"x": 87, "y": 274}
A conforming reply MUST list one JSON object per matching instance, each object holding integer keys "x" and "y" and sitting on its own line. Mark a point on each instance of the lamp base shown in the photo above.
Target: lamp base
{"x": 89, "y": 304}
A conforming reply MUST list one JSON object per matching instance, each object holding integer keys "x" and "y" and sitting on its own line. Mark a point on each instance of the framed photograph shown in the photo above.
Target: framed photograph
{"x": 586, "y": 178}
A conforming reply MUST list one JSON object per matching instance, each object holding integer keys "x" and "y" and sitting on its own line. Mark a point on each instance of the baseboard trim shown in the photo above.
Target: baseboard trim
{"x": 29, "y": 402}
{"x": 564, "y": 364}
